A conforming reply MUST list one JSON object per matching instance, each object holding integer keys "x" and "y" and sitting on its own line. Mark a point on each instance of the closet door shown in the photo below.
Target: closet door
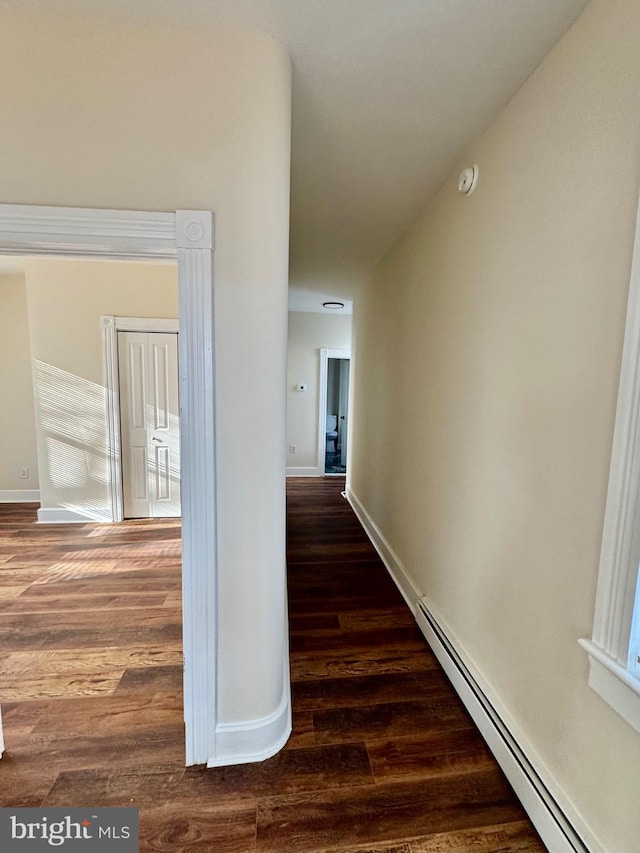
{"x": 149, "y": 424}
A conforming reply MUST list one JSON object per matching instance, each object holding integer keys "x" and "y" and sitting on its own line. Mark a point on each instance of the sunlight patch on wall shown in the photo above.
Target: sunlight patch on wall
{"x": 71, "y": 412}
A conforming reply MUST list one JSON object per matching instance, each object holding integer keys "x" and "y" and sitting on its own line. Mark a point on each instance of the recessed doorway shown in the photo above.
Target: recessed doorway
{"x": 333, "y": 406}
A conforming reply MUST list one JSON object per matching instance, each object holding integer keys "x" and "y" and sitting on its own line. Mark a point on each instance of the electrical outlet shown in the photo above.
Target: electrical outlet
{"x": 24, "y": 473}
{"x": 293, "y": 448}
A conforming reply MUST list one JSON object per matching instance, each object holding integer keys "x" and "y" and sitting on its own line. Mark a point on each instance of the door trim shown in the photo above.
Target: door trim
{"x": 110, "y": 327}
{"x": 325, "y": 355}
{"x": 188, "y": 236}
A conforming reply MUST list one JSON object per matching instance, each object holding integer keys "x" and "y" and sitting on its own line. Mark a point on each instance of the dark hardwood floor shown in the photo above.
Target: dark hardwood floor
{"x": 383, "y": 758}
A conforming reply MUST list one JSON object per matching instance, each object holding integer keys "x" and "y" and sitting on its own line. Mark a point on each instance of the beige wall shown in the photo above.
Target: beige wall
{"x": 17, "y": 426}
{"x": 152, "y": 117}
{"x": 66, "y": 299}
{"x": 489, "y": 350}
{"x": 309, "y": 333}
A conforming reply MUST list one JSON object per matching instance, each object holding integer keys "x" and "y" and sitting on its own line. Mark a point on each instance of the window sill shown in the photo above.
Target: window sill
{"x": 613, "y": 683}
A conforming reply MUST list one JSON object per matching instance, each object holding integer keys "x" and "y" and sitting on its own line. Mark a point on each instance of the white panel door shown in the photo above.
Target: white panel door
{"x": 149, "y": 424}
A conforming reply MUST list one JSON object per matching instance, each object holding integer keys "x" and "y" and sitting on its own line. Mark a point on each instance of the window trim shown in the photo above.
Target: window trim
{"x": 608, "y": 648}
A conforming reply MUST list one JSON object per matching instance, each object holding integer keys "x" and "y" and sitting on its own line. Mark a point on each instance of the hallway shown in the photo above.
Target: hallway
{"x": 417, "y": 776}
{"x": 382, "y": 758}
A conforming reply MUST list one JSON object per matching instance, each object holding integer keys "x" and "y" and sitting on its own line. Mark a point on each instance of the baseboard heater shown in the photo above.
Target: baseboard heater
{"x": 547, "y": 816}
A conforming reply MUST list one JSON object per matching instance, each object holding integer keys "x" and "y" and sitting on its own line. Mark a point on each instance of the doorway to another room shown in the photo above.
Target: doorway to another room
{"x": 75, "y": 464}
{"x": 334, "y": 407}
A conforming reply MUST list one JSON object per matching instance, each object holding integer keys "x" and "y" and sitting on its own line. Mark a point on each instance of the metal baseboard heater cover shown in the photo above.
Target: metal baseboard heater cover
{"x": 547, "y": 816}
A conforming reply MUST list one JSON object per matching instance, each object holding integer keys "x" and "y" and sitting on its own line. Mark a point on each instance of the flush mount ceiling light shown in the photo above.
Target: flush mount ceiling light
{"x": 334, "y": 305}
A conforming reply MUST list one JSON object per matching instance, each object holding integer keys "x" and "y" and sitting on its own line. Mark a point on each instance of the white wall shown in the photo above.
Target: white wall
{"x": 66, "y": 299}
{"x": 151, "y": 117}
{"x": 489, "y": 350}
{"x": 17, "y": 425}
{"x": 309, "y": 332}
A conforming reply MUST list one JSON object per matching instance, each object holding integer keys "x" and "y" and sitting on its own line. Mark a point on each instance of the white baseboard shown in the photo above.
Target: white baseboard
{"x": 394, "y": 565}
{"x": 253, "y": 740}
{"x": 556, "y": 820}
{"x": 305, "y": 472}
{"x": 19, "y": 496}
{"x": 56, "y": 515}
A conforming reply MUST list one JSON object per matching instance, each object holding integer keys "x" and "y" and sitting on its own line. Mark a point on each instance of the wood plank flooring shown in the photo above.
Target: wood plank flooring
{"x": 383, "y": 758}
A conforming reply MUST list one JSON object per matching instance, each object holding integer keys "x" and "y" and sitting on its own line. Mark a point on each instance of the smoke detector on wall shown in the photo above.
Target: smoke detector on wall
{"x": 468, "y": 180}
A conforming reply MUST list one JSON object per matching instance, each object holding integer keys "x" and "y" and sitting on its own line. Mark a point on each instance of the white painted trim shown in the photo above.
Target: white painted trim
{"x": 187, "y": 235}
{"x": 559, "y": 826}
{"x": 394, "y": 565}
{"x": 325, "y": 355}
{"x": 196, "y": 356}
{"x": 81, "y": 232}
{"x": 112, "y": 402}
{"x": 18, "y": 496}
{"x": 61, "y": 515}
{"x": 620, "y": 552}
{"x": 147, "y": 324}
{"x": 110, "y": 327}
{"x": 254, "y": 740}
{"x": 614, "y": 684}
{"x": 305, "y": 472}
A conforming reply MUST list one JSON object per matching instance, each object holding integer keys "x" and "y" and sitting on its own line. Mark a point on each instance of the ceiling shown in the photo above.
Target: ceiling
{"x": 387, "y": 94}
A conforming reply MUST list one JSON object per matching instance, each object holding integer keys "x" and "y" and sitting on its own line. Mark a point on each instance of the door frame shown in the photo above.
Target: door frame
{"x": 110, "y": 327}
{"x": 325, "y": 355}
{"x": 188, "y": 237}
